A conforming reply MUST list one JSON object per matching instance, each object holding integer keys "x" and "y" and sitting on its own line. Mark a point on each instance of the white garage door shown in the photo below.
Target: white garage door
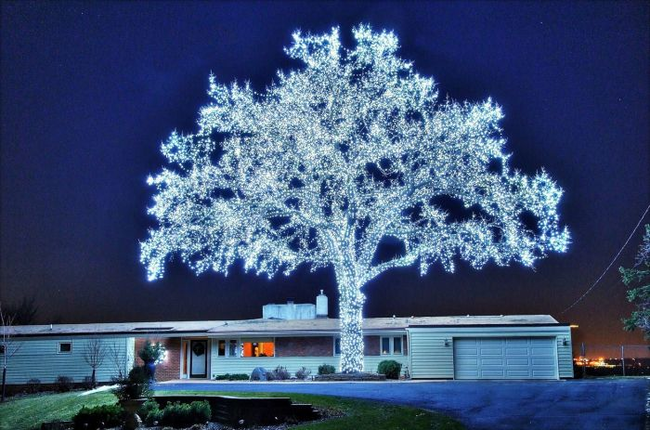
{"x": 505, "y": 358}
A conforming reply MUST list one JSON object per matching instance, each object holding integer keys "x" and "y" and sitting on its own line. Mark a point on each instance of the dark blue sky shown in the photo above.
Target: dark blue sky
{"x": 88, "y": 91}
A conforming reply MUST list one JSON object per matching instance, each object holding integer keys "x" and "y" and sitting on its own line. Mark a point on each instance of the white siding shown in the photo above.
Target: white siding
{"x": 40, "y": 359}
{"x": 565, "y": 354}
{"x": 430, "y": 358}
{"x": 223, "y": 365}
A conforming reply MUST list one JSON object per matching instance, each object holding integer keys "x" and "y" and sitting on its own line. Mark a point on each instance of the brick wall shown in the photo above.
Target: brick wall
{"x": 371, "y": 345}
{"x": 320, "y": 346}
{"x": 171, "y": 367}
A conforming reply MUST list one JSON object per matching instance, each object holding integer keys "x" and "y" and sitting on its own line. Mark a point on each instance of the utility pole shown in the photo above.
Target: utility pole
{"x": 584, "y": 356}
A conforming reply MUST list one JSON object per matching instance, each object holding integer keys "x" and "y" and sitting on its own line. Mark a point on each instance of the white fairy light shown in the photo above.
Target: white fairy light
{"x": 333, "y": 158}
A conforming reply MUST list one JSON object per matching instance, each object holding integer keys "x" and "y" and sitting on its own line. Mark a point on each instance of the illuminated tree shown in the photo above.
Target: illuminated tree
{"x": 335, "y": 158}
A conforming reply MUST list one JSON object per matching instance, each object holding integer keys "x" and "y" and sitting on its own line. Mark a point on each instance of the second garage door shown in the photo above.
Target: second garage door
{"x": 505, "y": 358}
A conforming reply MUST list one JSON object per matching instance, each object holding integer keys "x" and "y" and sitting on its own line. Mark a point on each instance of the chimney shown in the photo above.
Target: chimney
{"x": 321, "y": 305}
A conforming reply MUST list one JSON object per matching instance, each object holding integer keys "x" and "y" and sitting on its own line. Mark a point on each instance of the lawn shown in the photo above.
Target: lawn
{"x": 26, "y": 413}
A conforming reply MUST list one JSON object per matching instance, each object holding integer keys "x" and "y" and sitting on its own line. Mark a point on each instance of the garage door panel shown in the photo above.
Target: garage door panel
{"x": 468, "y": 361}
{"x": 492, "y": 373}
{"x": 544, "y": 373}
{"x": 492, "y": 361}
{"x": 491, "y": 351}
{"x": 517, "y": 351}
{"x": 505, "y": 358}
{"x": 517, "y": 362}
{"x": 519, "y": 374}
{"x": 543, "y": 351}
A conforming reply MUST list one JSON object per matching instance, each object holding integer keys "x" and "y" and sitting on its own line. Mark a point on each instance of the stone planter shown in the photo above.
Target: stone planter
{"x": 131, "y": 407}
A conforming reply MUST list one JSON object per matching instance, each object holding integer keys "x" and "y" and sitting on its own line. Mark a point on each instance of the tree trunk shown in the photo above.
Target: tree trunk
{"x": 351, "y": 319}
{"x": 93, "y": 380}
{"x": 4, "y": 382}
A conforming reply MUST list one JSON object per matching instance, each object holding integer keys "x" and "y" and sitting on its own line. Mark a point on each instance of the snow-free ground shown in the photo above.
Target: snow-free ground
{"x": 532, "y": 405}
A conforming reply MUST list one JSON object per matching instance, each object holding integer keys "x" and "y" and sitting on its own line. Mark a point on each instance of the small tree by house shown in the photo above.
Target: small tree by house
{"x": 118, "y": 361}
{"x": 94, "y": 355}
{"x": 8, "y": 348}
{"x": 152, "y": 354}
{"x": 639, "y": 276}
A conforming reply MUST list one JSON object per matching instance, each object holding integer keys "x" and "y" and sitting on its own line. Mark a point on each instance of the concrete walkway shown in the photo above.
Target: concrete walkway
{"x": 607, "y": 404}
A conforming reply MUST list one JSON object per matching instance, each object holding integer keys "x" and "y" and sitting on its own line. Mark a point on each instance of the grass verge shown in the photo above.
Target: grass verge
{"x": 26, "y": 413}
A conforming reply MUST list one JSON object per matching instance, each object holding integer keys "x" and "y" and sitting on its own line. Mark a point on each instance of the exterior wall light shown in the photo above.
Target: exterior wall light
{"x": 565, "y": 341}
{"x": 447, "y": 342}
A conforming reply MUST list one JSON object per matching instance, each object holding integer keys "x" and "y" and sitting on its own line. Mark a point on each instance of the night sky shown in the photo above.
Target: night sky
{"x": 88, "y": 92}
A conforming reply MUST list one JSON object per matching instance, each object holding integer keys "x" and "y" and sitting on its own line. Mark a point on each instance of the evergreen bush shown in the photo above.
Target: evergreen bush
{"x": 179, "y": 415}
{"x": 97, "y": 417}
{"x": 390, "y": 368}
{"x": 326, "y": 369}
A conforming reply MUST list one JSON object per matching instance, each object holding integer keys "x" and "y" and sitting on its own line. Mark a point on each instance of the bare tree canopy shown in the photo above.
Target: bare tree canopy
{"x": 94, "y": 354}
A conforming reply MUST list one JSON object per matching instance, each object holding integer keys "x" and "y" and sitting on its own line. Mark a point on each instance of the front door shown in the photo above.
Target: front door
{"x": 198, "y": 359}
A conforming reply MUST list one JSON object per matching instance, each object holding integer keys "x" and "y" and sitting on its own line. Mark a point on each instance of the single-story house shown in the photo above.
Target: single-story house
{"x": 296, "y": 335}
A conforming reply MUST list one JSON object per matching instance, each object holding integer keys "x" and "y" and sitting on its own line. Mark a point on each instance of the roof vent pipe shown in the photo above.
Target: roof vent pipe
{"x": 321, "y": 305}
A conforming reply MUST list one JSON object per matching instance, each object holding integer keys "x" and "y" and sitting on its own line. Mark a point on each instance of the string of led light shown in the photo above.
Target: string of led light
{"x": 329, "y": 161}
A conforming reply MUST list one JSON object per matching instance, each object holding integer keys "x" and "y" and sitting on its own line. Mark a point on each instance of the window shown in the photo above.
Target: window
{"x": 258, "y": 348}
{"x": 232, "y": 348}
{"x": 227, "y": 348}
{"x": 391, "y": 345}
{"x": 65, "y": 347}
{"x": 337, "y": 346}
{"x": 385, "y": 346}
{"x": 397, "y": 345}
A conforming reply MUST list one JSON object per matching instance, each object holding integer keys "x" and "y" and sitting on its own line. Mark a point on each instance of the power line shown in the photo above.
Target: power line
{"x": 610, "y": 264}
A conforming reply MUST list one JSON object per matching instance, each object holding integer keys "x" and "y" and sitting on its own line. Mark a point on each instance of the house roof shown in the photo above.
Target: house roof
{"x": 267, "y": 327}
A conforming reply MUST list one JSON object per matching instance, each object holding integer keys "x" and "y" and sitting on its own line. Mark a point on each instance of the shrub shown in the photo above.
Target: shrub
{"x": 33, "y": 386}
{"x": 280, "y": 373}
{"x": 303, "y": 373}
{"x": 87, "y": 383}
{"x": 135, "y": 386}
{"x": 390, "y": 368}
{"x": 326, "y": 369}
{"x": 270, "y": 375}
{"x": 98, "y": 417}
{"x": 63, "y": 383}
{"x": 232, "y": 377}
{"x": 150, "y": 413}
{"x": 180, "y": 415}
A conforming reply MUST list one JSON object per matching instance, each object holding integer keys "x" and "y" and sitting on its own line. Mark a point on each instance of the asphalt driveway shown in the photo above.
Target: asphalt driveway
{"x": 607, "y": 404}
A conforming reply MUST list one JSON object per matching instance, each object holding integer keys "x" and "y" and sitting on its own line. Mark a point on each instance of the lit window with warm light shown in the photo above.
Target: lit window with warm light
{"x": 258, "y": 348}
